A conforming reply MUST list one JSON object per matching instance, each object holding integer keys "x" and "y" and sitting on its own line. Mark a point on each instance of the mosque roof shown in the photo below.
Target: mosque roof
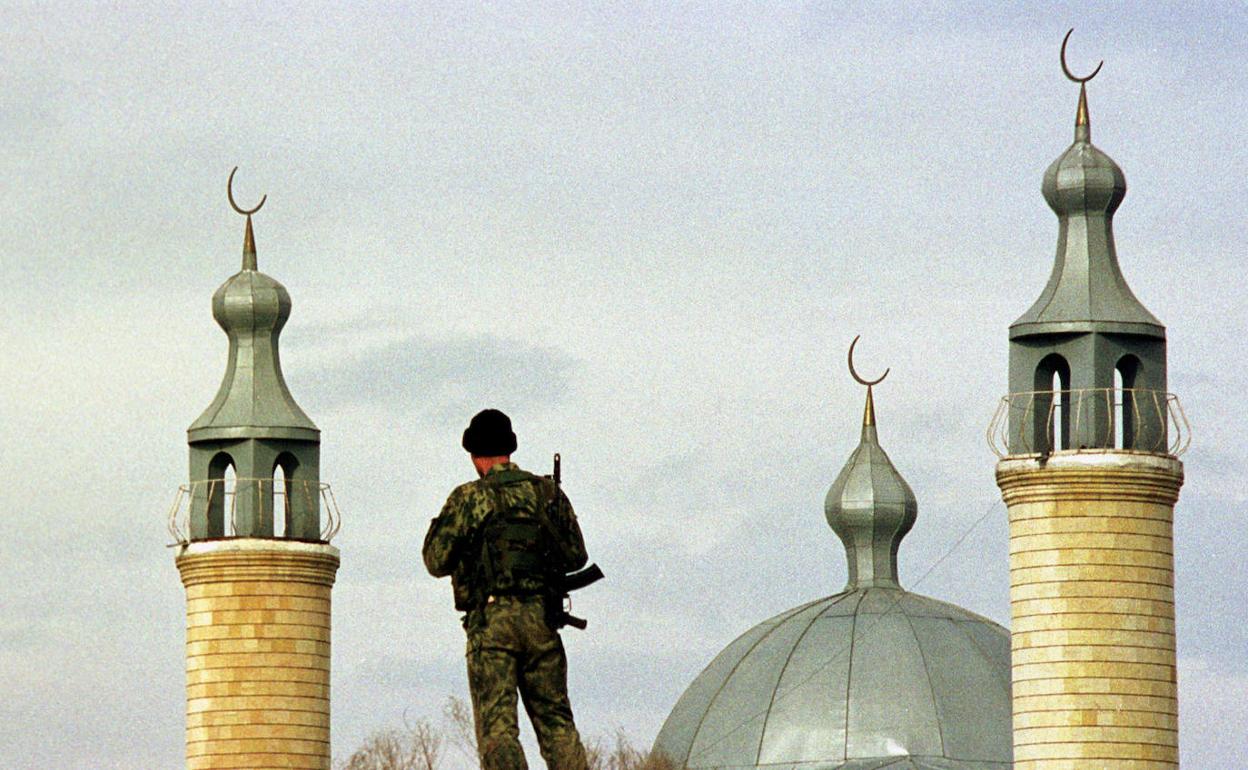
{"x": 872, "y": 677}
{"x": 857, "y": 680}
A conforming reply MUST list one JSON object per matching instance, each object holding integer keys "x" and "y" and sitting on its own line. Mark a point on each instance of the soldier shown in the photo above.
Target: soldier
{"x": 505, "y": 539}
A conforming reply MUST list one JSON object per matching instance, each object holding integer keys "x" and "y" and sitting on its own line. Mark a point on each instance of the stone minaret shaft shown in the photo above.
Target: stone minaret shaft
{"x": 258, "y": 576}
{"x": 1092, "y": 610}
{"x": 1091, "y": 488}
{"x": 257, "y": 653}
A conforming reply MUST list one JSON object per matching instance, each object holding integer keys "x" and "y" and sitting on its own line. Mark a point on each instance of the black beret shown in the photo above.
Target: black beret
{"x": 489, "y": 434}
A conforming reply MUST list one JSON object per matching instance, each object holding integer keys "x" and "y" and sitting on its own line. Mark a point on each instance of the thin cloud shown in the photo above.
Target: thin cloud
{"x": 437, "y": 378}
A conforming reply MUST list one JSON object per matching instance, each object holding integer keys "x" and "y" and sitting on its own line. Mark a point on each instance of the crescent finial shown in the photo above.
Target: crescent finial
{"x": 1066, "y": 69}
{"x": 229, "y": 191}
{"x": 854, "y": 372}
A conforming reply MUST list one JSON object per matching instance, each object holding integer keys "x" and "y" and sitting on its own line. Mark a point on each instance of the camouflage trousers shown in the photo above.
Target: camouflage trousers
{"x": 511, "y": 650}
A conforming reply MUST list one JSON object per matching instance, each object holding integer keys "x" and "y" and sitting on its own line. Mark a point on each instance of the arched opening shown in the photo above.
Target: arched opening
{"x": 1117, "y": 400}
{"x": 1051, "y": 423}
{"x": 229, "y": 497}
{"x": 1127, "y": 405}
{"x": 281, "y": 501}
{"x": 218, "y": 502}
{"x": 1059, "y": 419}
{"x": 285, "y": 492}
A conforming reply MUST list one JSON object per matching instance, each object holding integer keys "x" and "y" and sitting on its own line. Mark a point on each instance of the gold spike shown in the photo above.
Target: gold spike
{"x": 249, "y": 247}
{"x": 1083, "y": 128}
{"x": 868, "y": 412}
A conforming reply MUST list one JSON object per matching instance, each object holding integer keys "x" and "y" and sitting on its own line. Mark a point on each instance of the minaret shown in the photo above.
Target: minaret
{"x": 1088, "y": 437}
{"x": 256, "y": 564}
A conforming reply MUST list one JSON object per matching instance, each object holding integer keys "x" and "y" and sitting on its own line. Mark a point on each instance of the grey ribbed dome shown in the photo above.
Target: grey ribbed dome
{"x": 852, "y": 681}
{"x": 872, "y": 677}
{"x": 1083, "y": 178}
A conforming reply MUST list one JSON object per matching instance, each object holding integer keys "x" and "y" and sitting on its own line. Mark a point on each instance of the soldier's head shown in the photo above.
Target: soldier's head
{"x": 489, "y": 439}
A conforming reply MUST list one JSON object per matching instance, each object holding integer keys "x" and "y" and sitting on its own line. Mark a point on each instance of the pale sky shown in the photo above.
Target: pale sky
{"x": 649, "y": 235}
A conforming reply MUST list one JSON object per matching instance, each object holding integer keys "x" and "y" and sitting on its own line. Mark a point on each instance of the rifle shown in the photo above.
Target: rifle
{"x": 557, "y": 615}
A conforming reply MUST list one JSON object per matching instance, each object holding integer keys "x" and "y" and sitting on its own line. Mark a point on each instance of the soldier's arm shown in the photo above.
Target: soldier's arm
{"x": 572, "y": 544}
{"x": 445, "y": 537}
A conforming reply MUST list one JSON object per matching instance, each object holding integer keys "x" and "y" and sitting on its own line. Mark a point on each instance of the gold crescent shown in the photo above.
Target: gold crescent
{"x": 854, "y": 372}
{"x": 229, "y": 191}
{"x": 1066, "y": 69}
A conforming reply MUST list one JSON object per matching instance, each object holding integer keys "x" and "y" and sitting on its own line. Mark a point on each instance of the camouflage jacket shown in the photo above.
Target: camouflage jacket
{"x": 452, "y": 545}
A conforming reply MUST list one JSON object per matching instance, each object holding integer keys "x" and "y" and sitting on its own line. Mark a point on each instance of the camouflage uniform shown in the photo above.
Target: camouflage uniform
{"x": 510, "y": 644}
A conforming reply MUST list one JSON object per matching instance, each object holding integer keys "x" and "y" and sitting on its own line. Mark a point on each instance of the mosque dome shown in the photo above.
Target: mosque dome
{"x": 850, "y": 682}
{"x": 872, "y": 677}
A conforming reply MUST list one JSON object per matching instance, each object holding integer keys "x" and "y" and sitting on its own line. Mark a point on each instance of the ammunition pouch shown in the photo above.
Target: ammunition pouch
{"x": 515, "y": 551}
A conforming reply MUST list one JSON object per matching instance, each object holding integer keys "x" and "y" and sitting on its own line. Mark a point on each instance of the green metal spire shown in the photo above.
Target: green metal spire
{"x": 253, "y": 424}
{"x": 253, "y": 400}
{"x": 1086, "y": 291}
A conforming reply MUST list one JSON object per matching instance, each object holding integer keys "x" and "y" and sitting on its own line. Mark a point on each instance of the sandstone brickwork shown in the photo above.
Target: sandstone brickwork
{"x": 257, "y": 653}
{"x": 1092, "y": 605}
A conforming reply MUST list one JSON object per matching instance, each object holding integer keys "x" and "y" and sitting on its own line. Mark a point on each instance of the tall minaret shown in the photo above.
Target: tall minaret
{"x": 257, "y": 591}
{"x": 1090, "y": 477}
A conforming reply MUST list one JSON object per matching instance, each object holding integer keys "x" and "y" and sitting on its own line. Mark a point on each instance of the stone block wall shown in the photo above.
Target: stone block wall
{"x": 1092, "y": 605}
{"x": 257, "y": 653}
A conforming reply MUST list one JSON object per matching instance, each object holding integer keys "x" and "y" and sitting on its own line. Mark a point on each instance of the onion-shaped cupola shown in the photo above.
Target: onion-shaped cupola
{"x": 1087, "y": 327}
{"x": 253, "y": 400}
{"x": 253, "y": 425}
{"x": 1086, "y": 290}
{"x": 870, "y": 506}
{"x": 871, "y": 677}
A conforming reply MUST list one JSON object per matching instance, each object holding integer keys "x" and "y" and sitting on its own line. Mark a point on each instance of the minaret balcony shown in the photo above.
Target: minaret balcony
{"x": 281, "y": 509}
{"x": 1045, "y": 422}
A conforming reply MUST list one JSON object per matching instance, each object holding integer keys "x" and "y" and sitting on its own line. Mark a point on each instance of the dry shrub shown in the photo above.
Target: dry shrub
{"x": 621, "y": 754}
{"x": 458, "y": 717}
{"x": 423, "y": 747}
{"x": 419, "y": 747}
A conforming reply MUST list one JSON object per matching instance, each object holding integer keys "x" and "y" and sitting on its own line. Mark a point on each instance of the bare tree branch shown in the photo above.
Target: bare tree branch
{"x": 419, "y": 747}
{"x": 458, "y": 716}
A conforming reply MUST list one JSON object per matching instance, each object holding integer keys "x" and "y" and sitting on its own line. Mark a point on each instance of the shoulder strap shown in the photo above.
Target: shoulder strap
{"x": 510, "y": 476}
{"x": 494, "y": 483}
{"x": 543, "y": 516}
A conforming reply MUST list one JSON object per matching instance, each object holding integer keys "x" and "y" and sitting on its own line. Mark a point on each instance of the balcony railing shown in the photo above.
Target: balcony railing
{"x": 262, "y": 498}
{"x": 1047, "y": 421}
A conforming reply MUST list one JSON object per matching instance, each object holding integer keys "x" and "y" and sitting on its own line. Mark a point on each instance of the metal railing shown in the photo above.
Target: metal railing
{"x": 1046, "y": 421}
{"x": 287, "y": 497}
